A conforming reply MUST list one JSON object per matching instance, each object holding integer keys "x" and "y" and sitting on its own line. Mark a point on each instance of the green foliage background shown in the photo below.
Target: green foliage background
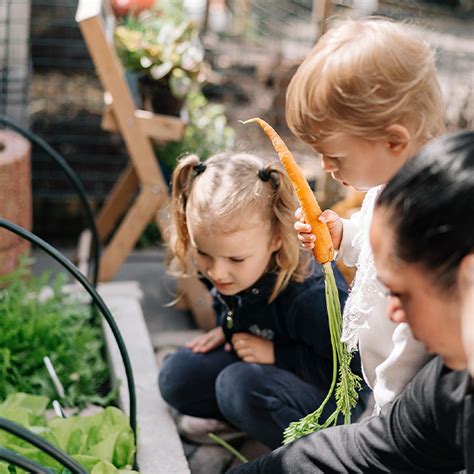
{"x": 58, "y": 327}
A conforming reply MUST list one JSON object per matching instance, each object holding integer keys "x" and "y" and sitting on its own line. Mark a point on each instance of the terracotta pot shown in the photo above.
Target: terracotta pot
{"x": 15, "y": 196}
{"x": 124, "y": 7}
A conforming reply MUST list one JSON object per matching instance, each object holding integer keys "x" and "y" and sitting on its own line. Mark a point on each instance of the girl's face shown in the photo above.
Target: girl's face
{"x": 360, "y": 163}
{"x": 233, "y": 261}
{"x": 433, "y": 315}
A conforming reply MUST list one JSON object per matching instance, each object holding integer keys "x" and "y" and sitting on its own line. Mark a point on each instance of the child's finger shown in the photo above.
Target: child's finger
{"x": 192, "y": 343}
{"x": 302, "y": 227}
{"x": 244, "y": 352}
{"x": 299, "y": 214}
{"x": 329, "y": 216}
{"x": 307, "y": 238}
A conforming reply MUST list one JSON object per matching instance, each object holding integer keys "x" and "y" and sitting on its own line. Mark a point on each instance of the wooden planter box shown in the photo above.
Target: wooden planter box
{"x": 15, "y": 196}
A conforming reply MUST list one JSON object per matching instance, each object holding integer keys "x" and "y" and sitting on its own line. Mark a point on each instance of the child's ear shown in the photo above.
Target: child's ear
{"x": 398, "y": 138}
{"x": 276, "y": 243}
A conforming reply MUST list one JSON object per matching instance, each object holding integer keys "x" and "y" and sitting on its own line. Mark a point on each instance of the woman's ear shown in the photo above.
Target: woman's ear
{"x": 466, "y": 296}
{"x": 398, "y": 138}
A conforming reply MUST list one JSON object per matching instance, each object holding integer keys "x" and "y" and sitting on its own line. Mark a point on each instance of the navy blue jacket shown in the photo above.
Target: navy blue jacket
{"x": 296, "y": 322}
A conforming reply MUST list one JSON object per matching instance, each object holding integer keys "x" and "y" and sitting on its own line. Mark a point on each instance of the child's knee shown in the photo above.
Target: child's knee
{"x": 173, "y": 379}
{"x": 235, "y": 386}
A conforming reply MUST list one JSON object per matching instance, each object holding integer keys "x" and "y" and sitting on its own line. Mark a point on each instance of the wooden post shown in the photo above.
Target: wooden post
{"x": 320, "y": 13}
{"x": 141, "y": 193}
{"x": 205, "y": 20}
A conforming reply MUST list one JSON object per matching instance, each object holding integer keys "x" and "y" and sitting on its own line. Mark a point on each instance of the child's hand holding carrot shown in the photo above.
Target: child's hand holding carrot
{"x": 209, "y": 341}
{"x": 253, "y": 349}
{"x": 328, "y": 217}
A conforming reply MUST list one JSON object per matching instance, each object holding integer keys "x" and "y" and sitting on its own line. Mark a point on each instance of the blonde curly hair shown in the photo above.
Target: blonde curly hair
{"x": 361, "y": 77}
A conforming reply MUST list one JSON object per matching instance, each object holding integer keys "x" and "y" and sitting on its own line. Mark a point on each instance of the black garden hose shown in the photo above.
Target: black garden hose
{"x": 24, "y": 463}
{"x": 40, "y": 443}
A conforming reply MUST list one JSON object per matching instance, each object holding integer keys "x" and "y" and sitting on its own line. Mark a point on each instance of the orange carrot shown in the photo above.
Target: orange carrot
{"x": 323, "y": 249}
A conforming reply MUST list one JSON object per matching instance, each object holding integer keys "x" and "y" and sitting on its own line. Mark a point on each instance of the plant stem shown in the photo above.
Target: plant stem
{"x": 347, "y": 385}
{"x": 227, "y": 446}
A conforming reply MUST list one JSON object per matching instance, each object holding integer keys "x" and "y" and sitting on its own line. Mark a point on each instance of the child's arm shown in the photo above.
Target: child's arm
{"x": 253, "y": 349}
{"x": 207, "y": 342}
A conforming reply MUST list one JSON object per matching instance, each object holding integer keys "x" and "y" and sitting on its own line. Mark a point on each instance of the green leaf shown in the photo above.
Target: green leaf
{"x": 4, "y": 468}
{"x": 58, "y": 327}
{"x": 23, "y": 408}
{"x": 104, "y": 467}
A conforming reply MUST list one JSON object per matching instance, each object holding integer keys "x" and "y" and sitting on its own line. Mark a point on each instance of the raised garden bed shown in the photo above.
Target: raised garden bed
{"x": 39, "y": 314}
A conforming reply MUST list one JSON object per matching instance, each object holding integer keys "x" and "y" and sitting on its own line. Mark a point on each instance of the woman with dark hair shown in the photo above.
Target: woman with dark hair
{"x": 422, "y": 237}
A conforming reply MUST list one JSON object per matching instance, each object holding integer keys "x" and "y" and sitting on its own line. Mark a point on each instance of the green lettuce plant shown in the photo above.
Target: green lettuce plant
{"x": 103, "y": 443}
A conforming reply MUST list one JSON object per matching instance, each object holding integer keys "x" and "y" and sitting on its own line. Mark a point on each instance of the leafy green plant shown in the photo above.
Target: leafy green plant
{"x": 164, "y": 46}
{"x": 102, "y": 443}
{"x": 163, "y": 49}
{"x": 32, "y": 327}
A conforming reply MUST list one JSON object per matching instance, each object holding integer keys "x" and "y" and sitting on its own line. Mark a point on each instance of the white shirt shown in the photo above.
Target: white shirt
{"x": 389, "y": 353}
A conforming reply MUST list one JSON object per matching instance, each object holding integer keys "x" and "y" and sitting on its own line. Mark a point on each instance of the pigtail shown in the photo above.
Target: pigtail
{"x": 289, "y": 262}
{"x": 183, "y": 177}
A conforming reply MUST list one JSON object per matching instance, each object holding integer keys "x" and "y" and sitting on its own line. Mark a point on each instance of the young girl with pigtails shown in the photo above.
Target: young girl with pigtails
{"x": 268, "y": 362}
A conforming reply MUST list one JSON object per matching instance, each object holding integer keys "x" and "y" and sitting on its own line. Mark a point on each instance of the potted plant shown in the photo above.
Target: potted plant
{"x": 163, "y": 49}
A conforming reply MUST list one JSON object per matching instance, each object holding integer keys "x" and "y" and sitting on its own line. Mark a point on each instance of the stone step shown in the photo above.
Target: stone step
{"x": 160, "y": 450}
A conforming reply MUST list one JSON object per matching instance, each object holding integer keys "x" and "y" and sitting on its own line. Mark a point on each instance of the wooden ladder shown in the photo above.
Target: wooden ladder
{"x": 140, "y": 195}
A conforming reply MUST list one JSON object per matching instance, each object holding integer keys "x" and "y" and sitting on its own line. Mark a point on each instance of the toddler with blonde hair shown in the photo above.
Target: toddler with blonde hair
{"x": 269, "y": 360}
{"x": 367, "y": 98}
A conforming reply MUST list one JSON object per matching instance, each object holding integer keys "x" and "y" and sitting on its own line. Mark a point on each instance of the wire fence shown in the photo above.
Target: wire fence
{"x": 66, "y": 105}
{"x": 14, "y": 59}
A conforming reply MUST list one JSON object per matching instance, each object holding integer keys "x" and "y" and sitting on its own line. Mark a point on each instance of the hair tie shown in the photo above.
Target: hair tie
{"x": 199, "y": 168}
{"x": 265, "y": 176}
